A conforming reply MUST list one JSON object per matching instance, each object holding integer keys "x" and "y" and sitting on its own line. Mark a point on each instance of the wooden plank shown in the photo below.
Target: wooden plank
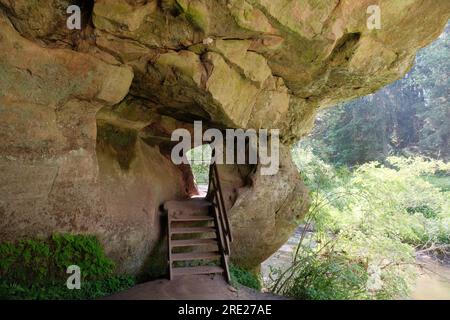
{"x": 180, "y": 218}
{"x": 225, "y": 266}
{"x": 169, "y": 247}
{"x": 192, "y": 230}
{"x": 222, "y": 238}
{"x": 218, "y": 228}
{"x": 191, "y": 206}
{"x": 193, "y": 242}
{"x": 223, "y": 210}
{"x": 197, "y": 270}
{"x": 195, "y": 256}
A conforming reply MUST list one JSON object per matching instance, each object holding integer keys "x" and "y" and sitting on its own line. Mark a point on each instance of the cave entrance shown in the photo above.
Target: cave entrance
{"x": 199, "y": 159}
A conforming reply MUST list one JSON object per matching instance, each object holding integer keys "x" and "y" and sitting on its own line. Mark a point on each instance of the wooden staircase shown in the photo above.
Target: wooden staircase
{"x": 199, "y": 233}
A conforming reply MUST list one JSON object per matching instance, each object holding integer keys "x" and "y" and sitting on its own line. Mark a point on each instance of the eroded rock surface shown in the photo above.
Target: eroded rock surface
{"x": 86, "y": 115}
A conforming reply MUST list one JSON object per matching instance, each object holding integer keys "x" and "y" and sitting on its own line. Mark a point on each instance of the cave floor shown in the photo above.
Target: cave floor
{"x": 199, "y": 287}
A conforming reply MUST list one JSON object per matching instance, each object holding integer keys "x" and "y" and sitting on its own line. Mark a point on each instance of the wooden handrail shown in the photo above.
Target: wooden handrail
{"x": 215, "y": 192}
{"x": 221, "y": 224}
{"x": 222, "y": 202}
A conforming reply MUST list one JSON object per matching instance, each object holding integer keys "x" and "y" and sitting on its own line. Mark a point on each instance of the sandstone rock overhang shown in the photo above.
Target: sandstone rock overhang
{"x": 86, "y": 115}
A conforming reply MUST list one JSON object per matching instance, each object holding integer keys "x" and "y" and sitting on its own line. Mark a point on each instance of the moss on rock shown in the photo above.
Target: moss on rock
{"x": 120, "y": 141}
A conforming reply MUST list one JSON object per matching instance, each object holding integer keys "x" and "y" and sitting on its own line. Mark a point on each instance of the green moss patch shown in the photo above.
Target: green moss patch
{"x": 36, "y": 268}
{"x": 244, "y": 277}
{"x": 121, "y": 141}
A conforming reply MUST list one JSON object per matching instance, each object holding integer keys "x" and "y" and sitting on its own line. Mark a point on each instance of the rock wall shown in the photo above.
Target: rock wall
{"x": 86, "y": 115}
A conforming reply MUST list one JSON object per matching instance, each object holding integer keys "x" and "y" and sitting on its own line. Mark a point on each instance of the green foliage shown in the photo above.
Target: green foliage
{"x": 36, "y": 268}
{"x": 425, "y": 210}
{"x": 55, "y": 290}
{"x": 329, "y": 276}
{"x": 431, "y": 73}
{"x": 84, "y": 251}
{"x": 24, "y": 261}
{"x": 201, "y": 173}
{"x": 367, "y": 225}
{"x": 200, "y": 159}
{"x": 245, "y": 278}
{"x": 440, "y": 181}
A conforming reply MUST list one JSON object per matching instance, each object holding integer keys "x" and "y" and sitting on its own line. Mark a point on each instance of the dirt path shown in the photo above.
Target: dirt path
{"x": 433, "y": 282}
{"x": 191, "y": 288}
{"x": 283, "y": 257}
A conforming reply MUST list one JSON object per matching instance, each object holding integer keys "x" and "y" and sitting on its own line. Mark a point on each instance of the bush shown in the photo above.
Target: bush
{"x": 245, "y": 278}
{"x": 84, "y": 251}
{"x": 324, "y": 277}
{"x": 54, "y": 290}
{"x": 36, "y": 268}
{"x": 368, "y": 224}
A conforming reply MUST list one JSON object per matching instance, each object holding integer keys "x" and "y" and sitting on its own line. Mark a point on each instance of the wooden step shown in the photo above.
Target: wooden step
{"x": 196, "y": 270}
{"x": 193, "y": 242}
{"x": 192, "y": 230}
{"x": 195, "y": 256}
{"x": 191, "y": 218}
{"x": 190, "y": 206}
